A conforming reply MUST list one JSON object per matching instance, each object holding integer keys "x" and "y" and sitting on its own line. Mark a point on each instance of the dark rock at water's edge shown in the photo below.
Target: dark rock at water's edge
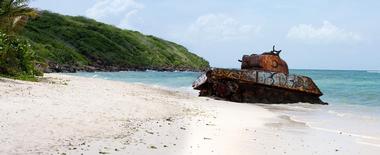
{"x": 58, "y": 68}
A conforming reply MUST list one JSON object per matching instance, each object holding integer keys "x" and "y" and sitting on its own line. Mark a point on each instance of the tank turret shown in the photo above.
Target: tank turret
{"x": 267, "y": 61}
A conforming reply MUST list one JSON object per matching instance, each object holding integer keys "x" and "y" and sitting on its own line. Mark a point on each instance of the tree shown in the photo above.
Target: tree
{"x": 16, "y": 56}
{"x": 14, "y": 14}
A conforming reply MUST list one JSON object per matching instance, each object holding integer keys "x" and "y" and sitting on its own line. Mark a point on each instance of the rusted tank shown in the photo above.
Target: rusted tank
{"x": 262, "y": 78}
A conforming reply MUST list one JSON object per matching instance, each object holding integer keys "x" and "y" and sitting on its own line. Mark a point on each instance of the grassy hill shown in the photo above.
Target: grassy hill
{"x": 69, "y": 43}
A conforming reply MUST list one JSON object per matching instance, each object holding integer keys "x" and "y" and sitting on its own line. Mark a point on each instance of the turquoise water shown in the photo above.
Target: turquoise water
{"x": 339, "y": 87}
{"x": 347, "y": 87}
{"x": 165, "y": 79}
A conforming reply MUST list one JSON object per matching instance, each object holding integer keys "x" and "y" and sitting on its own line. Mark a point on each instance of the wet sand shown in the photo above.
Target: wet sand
{"x": 74, "y": 115}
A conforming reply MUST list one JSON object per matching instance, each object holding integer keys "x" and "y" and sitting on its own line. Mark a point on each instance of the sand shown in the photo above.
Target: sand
{"x": 65, "y": 114}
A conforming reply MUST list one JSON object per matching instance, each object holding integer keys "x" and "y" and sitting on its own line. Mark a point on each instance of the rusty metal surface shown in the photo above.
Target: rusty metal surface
{"x": 271, "y": 63}
{"x": 200, "y": 81}
{"x": 263, "y": 78}
{"x": 267, "y": 61}
{"x": 273, "y": 79}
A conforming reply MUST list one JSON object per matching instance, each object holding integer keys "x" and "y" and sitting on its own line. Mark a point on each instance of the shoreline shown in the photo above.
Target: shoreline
{"x": 66, "y": 114}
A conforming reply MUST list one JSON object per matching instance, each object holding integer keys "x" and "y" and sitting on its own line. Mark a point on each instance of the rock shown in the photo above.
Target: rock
{"x": 153, "y": 147}
{"x": 99, "y": 66}
{"x": 170, "y": 119}
{"x": 102, "y": 152}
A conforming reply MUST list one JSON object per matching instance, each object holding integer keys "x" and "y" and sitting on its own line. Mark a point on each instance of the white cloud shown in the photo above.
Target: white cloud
{"x": 220, "y": 27}
{"x": 126, "y": 21}
{"x": 103, "y": 9}
{"x": 328, "y": 32}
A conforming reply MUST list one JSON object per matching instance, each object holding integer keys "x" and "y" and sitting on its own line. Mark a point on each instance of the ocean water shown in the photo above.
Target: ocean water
{"x": 347, "y": 87}
{"x": 181, "y": 81}
{"x": 353, "y": 97}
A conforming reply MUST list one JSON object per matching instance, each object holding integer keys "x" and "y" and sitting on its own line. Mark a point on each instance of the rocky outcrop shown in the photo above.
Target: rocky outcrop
{"x": 59, "y": 68}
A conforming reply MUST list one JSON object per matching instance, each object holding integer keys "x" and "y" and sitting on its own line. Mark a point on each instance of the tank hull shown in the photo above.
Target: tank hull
{"x": 257, "y": 86}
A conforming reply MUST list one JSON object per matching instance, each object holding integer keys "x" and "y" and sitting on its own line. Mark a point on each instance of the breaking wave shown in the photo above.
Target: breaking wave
{"x": 373, "y": 71}
{"x": 338, "y": 113}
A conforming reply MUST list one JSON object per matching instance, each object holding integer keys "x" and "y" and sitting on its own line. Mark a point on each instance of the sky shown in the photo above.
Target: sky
{"x": 313, "y": 34}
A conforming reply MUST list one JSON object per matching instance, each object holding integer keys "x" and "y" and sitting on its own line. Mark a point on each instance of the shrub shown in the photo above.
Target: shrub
{"x": 16, "y": 58}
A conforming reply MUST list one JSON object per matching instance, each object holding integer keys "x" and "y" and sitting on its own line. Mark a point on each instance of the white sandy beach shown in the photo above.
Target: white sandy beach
{"x": 74, "y": 115}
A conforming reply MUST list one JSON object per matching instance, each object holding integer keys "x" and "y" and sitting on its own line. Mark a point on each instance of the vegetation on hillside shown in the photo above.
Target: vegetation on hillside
{"x": 30, "y": 39}
{"x": 16, "y": 56}
{"x": 81, "y": 42}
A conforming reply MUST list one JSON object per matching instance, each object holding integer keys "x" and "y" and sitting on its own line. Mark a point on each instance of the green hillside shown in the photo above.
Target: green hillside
{"x": 79, "y": 43}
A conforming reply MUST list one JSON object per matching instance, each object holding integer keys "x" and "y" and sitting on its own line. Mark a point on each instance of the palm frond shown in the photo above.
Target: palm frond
{"x": 14, "y": 14}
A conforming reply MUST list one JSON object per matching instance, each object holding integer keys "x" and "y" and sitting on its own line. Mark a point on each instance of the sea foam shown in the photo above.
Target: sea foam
{"x": 373, "y": 71}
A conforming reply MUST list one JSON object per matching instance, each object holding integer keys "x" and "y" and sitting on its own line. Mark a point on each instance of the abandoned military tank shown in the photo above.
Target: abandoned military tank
{"x": 262, "y": 78}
